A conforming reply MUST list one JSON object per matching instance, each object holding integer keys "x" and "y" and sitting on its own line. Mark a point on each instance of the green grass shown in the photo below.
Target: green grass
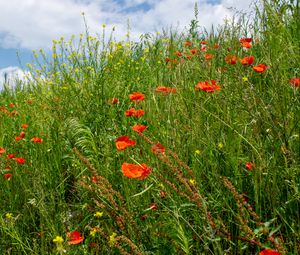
{"x": 200, "y": 197}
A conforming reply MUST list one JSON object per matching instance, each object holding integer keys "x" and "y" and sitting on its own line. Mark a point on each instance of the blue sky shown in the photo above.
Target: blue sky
{"x": 28, "y": 25}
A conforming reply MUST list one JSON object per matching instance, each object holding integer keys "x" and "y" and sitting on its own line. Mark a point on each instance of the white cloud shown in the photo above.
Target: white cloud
{"x": 34, "y": 23}
{"x": 11, "y": 75}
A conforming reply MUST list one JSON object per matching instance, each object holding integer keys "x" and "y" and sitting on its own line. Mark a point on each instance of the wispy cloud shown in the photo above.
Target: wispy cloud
{"x": 11, "y": 75}
{"x": 34, "y": 23}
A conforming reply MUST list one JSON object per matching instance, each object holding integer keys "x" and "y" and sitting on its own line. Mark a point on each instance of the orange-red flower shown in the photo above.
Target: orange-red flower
{"x": 114, "y": 100}
{"x": 295, "y": 81}
{"x": 208, "y": 56}
{"x": 2, "y": 150}
{"x": 123, "y": 142}
{"x": 188, "y": 43}
{"x": 137, "y": 97}
{"x": 22, "y": 134}
{"x": 165, "y": 90}
{"x": 203, "y": 48}
{"x": 194, "y": 51}
{"x": 207, "y": 87}
{"x": 134, "y": 113}
{"x": 248, "y": 60}
{"x": 230, "y": 59}
{"x": 37, "y": 140}
{"x": 74, "y": 237}
{"x": 269, "y": 252}
{"x": 163, "y": 194}
{"x": 250, "y": 165}
{"x": 94, "y": 179}
{"x": 158, "y": 148}
{"x": 139, "y": 128}
{"x": 260, "y": 68}
{"x": 18, "y": 138}
{"x": 136, "y": 171}
{"x": 178, "y": 53}
{"x": 24, "y": 126}
{"x": 20, "y": 161}
{"x": 153, "y": 206}
{"x": 7, "y": 176}
{"x": 246, "y": 42}
{"x": 10, "y": 155}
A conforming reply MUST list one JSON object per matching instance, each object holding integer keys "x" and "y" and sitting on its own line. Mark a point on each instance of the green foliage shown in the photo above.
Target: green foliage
{"x": 225, "y": 177}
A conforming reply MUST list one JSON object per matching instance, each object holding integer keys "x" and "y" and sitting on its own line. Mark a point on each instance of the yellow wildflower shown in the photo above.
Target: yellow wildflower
{"x": 93, "y": 232}
{"x": 192, "y": 182}
{"x": 98, "y": 214}
{"x": 197, "y": 152}
{"x": 112, "y": 239}
{"x": 58, "y": 240}
{"x": 8, "y": 216}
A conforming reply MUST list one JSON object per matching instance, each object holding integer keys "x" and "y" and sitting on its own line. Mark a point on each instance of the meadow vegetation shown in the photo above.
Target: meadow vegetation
{"x": 181, "y": 143}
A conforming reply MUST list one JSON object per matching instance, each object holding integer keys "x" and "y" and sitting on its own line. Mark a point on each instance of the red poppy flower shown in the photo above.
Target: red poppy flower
{"x": 134, "y": 113}
{"x": 208, "y": 56}
{"x": 139, "y": 128}
{"x": 249, "y": 40}
{"x": 22, "y": 134}
{"x": 74, "y": 237}
{"x": 24, "y": 126}
{"x": 12, "y": 105}
{"x": 188, "y": 43}
{"x": 203, "y": 48}
{"x": 10, "y": 155}
{"x": 94, "y": 179}
{"x": 188, "y": 56}
{"x": 153, "y": 207}
{"x": 207, "y": 87}
{"x": 165, "y": 90}
{"x": 137, "y": 96}
{"x": 139, "y": 113}
{"x": 248, "y": 60}
{"x": 20, "y": 161}
{"x": 123, "y": 142}
{"x": 216, "y": 46}
{"x": 178, "y": 53}
{"x": 230, "y": 59}
{"x": 269, "y": 252}
{"x": 37, "y": 140}
{"x": 246, "y": 42}
{"x": 194, "y": 51}
{"x": 2, "y": 150}
{"x": 260, "y": 68}
{"x": 167, "y": 59}
{"x": 114, "y": 100}
{"x": 7, "y": 176}
{"x": 250, "y": 165}
{"x": 246, "y": 45}
{"x": 136, "y": 171}
{"x": 295, "y": 81}
{"x": 163, "y": 194}
{"x": 18, "y": 138}
{"x": 203, "y": 42}
{"x": 158, "y": 148}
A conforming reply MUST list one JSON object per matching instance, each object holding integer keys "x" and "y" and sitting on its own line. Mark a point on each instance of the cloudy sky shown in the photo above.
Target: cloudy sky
{"x": 28, "y": 25}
